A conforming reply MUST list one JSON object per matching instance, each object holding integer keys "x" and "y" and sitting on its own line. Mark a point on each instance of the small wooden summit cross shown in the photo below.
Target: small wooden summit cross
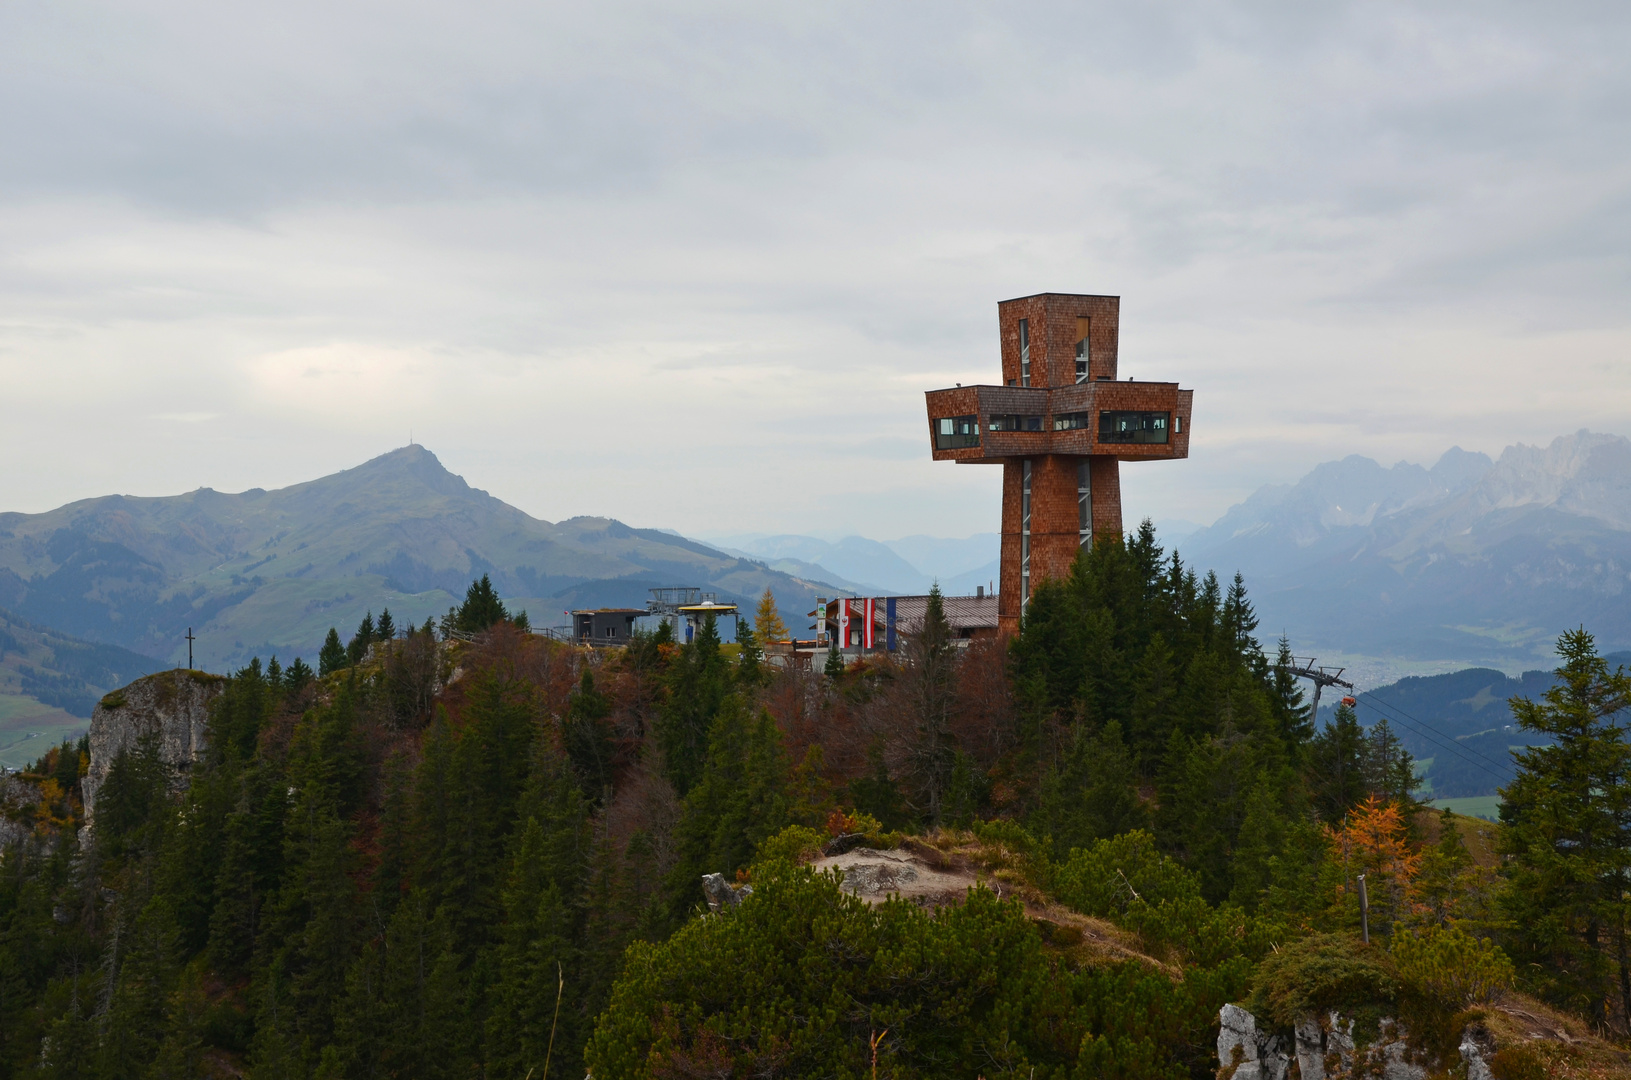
{"x": 190, "y": 640}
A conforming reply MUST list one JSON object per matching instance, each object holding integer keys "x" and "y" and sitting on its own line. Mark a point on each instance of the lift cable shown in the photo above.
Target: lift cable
{"x": 1448, "y": 742}
{"x": 1321, "y": 677}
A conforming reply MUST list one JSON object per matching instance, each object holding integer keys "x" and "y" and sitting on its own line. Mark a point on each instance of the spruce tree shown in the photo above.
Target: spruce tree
{"x": 1290, "y": 710}
{"x": 1337, "y": 762}
{"x": 739, "y": 799}
{"x": 535, "y": 952}
{"x": 931, "y": 692}
{"x": 298, "y": 675}
{"x": 364, "y": 637}
{"x": 750, "y": 670}
{"x": 588, "y": 738}
{"x": 332, "y": 657}
{"x": 834, "y": 667}
{"x": 1568, "y": 835}
{"x": 1389, "y": 769}
{"x": 1089, "y": 794}
{"x": 385, "y": 630}
{"x": 481, "y": 608}
{"x": 697, "y": 683}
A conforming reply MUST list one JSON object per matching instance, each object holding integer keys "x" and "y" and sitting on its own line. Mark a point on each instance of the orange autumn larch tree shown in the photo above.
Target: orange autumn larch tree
{"x": 1374, "y": 840}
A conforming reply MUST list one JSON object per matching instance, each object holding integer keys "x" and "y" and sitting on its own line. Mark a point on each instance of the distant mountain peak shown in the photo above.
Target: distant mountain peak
{"x": 1458, "y": 469}
{"x": 412, "y": 462}
{"x": 1585, "y": 473}
{"x": 1477, "y": 558}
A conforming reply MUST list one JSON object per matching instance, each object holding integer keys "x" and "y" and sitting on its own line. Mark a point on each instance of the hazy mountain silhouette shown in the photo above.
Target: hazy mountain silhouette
{"x": 1469, "y": 560}
{"x": 264, "y": 571}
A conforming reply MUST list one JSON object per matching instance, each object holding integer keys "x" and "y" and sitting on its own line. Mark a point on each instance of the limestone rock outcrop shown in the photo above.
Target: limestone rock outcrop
{"x": 171, "y": 707}
{"x": 1322, "y": 1046}
{"x": 1253, "y": 1055}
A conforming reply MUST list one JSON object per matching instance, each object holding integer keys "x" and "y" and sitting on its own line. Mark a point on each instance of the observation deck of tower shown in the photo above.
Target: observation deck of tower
{"x": 1059, "y": 425}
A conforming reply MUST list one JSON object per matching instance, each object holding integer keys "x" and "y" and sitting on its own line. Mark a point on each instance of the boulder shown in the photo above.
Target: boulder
{"x": 721, "y": 894}
{"x": 171, "y": 708}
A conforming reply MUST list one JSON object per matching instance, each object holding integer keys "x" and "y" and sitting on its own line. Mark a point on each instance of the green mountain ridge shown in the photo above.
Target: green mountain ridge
{"x": 262, "y": 572}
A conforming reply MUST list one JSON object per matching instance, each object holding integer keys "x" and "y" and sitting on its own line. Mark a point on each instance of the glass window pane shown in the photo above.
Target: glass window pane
{"x": 1133, "y": 427}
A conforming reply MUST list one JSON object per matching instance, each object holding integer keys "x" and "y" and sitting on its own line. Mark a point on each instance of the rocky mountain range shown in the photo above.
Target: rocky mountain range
{"x": 263, "y": 572}
{"x": 1469, "y": 560}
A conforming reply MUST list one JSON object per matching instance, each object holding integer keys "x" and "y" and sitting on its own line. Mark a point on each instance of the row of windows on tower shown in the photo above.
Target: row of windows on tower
{"x": 1081, "y": 346}
{"x": 1115, "y": 426}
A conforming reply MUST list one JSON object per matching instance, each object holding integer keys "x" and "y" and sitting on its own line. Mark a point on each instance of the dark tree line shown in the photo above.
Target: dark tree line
{"x": 378, "y": 870}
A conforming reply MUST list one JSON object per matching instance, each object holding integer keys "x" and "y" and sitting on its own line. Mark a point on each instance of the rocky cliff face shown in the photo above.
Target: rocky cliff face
{"x": 172, "y": 708}
{"x": 1323, "y": 1048}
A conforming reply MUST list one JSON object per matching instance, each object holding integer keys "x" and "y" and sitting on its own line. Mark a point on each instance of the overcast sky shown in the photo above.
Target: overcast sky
{"x": 693, "y": 265}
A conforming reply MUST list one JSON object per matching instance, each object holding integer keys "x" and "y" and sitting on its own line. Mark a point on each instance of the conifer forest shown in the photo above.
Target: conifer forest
{"x": 466, "y": 850}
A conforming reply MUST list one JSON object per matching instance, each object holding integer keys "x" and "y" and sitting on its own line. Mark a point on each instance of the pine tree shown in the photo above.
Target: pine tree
{"x": 364, "y": 637}
{"x": 698, "y": 683}
{"x": 767, "y": 620}
{"x": 424, "y": 1029}
{"x": 534, "y": 953}
{"x": 333, "y": 655}
{"x": 386, "y": 629}
{"x": 1089, "y": 794}
{"x": 1290, "y": 710}
{"x": 739, "y": 799}
{"x": 931, "y": 690}
{"x": 481, "y": 608}
{"x": 750, "y": 670}
{"x": 588, "y": 737}
{"x": 1568, "y": 835}
{"x": 1336, "y": 759}
{"x": 1389, "y": 769}
{"x": 298, "y": 675}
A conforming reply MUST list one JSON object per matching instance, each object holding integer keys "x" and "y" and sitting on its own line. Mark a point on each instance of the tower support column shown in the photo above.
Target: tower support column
{"x": 1046, "y": 541}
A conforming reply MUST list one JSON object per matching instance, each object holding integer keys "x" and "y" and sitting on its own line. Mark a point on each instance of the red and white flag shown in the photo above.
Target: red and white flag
{"x": 869, "y": 611}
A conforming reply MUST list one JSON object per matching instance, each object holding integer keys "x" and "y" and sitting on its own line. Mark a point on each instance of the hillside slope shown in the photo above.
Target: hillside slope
{"x": 264, "y": 572}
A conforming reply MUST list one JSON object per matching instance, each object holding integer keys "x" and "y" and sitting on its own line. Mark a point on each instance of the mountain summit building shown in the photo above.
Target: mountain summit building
{"x": 1059, "y": 425}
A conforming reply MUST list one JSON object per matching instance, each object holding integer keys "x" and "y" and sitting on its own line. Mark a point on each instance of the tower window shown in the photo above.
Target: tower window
{"x": 1133, "y": 427}
{"x": 1014, "y": 422}
{"x": 956, "y": 432}
{"x": 1024, "y": 533}
{"x": 1024, "y": 352}
{"x": 1071, "y": 421}
{"x": 1084, "y": 502}
{"x": 1081, "y": 350}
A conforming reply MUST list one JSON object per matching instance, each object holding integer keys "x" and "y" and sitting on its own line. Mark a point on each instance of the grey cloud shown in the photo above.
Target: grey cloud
{"x": 796, "y": 218}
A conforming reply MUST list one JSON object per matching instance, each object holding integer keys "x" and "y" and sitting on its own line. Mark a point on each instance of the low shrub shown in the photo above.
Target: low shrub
{"x": 1323, "y": 972}
{"x": 1451, "y": 966}
{"x": 794, "y": 844}
{"x": 1107, "y": 878}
